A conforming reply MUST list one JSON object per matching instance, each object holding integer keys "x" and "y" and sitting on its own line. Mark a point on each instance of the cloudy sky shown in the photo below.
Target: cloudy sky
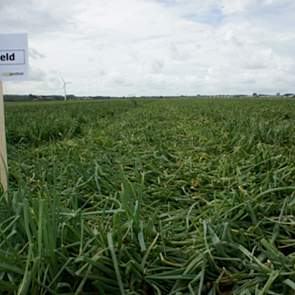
{"x": 155, "y": 47}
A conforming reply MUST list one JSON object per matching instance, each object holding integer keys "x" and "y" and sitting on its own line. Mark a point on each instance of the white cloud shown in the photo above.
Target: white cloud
{"x": 242, "y": 6}
{"x": 37, "y": 74}
{"x": 150, "y": 47}
{"x": 35, "y": 54}
{"x": 234, "y": 6}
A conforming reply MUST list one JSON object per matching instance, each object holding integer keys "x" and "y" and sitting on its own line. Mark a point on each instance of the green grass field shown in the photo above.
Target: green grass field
{"x": 149, "y": 197}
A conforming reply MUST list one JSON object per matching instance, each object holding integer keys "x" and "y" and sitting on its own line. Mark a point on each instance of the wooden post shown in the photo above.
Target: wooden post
{"x": 3, "y": 151}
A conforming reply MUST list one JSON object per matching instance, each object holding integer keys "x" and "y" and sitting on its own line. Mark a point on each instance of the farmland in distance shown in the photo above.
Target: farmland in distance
{"x": 164, "y": 196}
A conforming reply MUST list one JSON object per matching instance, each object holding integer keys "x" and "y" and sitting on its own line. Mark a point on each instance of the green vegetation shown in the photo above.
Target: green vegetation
{"x": 149, "y": 197}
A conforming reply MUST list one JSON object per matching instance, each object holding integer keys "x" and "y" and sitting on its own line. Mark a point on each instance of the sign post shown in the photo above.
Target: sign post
{"x": 13, "y": 67}
{"x": 3, "y": 152}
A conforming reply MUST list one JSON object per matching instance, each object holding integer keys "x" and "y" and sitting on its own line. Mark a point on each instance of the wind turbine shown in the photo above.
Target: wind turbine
{"x": 65, "y": 87}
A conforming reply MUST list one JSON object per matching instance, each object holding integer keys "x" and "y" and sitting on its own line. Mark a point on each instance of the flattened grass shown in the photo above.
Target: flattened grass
{"x": 153, "y": 197}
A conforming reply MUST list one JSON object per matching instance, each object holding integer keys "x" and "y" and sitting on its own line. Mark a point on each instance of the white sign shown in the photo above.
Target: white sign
{"x": 13, "y": 57}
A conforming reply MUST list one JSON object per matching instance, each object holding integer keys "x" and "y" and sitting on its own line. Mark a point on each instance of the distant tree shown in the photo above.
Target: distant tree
{"x": 254, "y": 94}
{"x": 32, "y": 97}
